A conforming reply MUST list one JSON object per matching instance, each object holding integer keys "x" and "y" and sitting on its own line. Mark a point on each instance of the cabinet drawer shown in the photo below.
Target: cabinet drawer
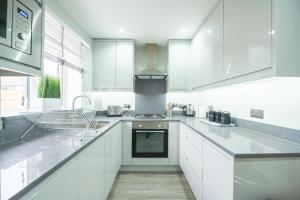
{"x": 195, "y": 159}
{"x": 196, "y": 140}
{"x": 195, "y": 183}
{"x": 197, "y": 187}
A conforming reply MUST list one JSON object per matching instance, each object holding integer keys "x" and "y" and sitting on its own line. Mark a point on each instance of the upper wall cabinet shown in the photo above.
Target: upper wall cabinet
{"x": 247, "y": 36}
{"x": 179, "y": 61}
{"x": 105, "y": 64}
{"x": 207, "y": 51}
{"x": 124, "y": 64}
{"x": 246, "y": 40}
{"x": 113, "y": 64}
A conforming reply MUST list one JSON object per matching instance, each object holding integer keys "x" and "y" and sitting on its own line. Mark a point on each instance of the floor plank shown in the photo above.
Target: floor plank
{"x": 150, "y": 186}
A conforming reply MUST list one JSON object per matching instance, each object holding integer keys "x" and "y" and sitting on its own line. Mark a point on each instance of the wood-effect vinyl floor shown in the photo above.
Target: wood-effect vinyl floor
{"x": 150, "y": 186}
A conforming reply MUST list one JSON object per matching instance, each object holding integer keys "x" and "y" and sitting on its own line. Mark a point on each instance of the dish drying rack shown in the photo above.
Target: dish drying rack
{"x": 61, "y": 119}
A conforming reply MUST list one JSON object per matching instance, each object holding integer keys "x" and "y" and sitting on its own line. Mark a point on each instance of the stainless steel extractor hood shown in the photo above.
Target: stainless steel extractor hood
{"x": 151, "y": 71}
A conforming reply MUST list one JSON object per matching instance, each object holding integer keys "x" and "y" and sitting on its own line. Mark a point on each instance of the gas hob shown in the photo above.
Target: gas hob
{"x": 149, "y": 116}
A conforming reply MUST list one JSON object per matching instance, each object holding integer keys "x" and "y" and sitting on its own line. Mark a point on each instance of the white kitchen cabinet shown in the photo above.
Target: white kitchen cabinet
{"x": 234, "y": 46}
{"x": 104, "y": 64}
{"x": 195, "y": 71}
{"x": 183, "y": 150}
{"x": 113, "y": 64}
{"x": 207, "y": 51}
{"x": 117, "y": 148}
{"x": 247, "y": 36}
{"x": 173, "y": 143}
{"x": 191, "y": 160}
{"x": 88, "y": 176}
{"x": 62, "y": 185}
{"x": 91, "y": 172}
{"x": 218, "y": 173}
{"x": 124, "y": 65}
{"x": 126, "y": 143}
{"x": 109, "y": 163}
{"x": 179, "y": 61}
{"x": 113, "y": 156}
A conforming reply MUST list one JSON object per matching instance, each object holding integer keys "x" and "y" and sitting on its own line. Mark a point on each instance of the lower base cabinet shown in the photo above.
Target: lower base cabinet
{"x": 91, "y": 172}
{"x": 191, "y": 159}
{"x": 208, "y": 170}
{"x": 88, "y": 176}
{"x": 60, "y": 186}
{"x": 217, "y": 173}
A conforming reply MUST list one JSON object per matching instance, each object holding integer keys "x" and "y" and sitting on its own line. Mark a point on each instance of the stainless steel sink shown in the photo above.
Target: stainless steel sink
{"x": 97, "y": 124}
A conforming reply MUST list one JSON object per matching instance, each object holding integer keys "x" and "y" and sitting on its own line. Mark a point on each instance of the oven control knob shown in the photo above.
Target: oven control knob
{"x": 22, "y": 36}
{"x": 140, "y": 126}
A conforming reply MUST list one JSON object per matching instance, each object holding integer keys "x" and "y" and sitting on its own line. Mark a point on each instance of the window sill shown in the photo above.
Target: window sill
{"x": 11, "y": 115}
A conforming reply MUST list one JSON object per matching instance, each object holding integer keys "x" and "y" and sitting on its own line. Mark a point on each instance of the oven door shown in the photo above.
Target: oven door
{"x": 150, "y": 143}
{"x": 5, "y": 22}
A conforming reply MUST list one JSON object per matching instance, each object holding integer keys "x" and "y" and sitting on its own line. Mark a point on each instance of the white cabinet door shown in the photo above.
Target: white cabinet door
{"x": 126, "y": 141}
{"x": 62, "y": 185}
{"x": 195, "y": 61}
{"x": 91, "y": 172}
{"x": 109, "y": 163}
{"x": 247, "y": 36}
{"x": 207, "y": 51}
{"x": 179, "y": 61}
{"x": 124, "y": 64}
{"x": 116, "y": 148}
{"x": 218, "y": 173}
{"x": 173, "y": 143}
{"x": 183, "y": 148}
{"x": 104, "y": 64}
{"x": 191, "y": 161}
{"x": 195, "y": 159}
{"x": 211, "y": 48}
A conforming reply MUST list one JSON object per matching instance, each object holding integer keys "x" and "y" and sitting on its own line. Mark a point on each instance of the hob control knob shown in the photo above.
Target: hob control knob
{"x": 22, "y": 36}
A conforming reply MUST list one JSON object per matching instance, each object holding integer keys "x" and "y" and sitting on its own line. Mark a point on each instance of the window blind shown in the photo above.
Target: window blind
{"x": 62, "y": 45}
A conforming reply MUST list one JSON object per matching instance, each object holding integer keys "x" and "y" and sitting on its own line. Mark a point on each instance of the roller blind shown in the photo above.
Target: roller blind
{"x": 62, "y": 45}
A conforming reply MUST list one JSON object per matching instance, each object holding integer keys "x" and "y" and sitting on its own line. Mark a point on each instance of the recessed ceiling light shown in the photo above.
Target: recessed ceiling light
{"x": 272, "y": 32}
{"x": 121, "y": 30}
{"x": 208, "y": 32}
{"x": 183, "y": 30}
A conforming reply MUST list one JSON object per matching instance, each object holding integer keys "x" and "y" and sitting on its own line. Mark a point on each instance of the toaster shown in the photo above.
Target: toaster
{"x": 114, "y": 111}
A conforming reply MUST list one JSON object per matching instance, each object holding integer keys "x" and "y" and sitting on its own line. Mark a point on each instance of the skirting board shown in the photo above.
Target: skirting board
{"x": 150, "y": 168}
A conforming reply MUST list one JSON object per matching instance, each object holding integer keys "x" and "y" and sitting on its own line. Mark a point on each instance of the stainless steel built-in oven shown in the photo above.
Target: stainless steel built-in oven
{"x": 150, "y": 139}
{"x": 21, "y": 31}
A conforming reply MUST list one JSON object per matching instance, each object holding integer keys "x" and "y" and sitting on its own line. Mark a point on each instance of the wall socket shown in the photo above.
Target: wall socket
{"x": 256, "y": 113}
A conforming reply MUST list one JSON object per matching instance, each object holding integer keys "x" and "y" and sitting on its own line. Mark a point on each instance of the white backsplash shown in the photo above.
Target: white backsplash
{"x": 101, "y": 100}
{"x": 279, "y": 98}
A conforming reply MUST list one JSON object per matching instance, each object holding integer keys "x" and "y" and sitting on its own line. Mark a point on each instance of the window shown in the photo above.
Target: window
{"x": 13, "y": 94}
{"x": 64, "y": 58}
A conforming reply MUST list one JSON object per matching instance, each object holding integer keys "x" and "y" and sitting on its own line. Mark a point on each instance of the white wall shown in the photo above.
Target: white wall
{"x": 101, "y": 100}
{"x": 279, "y": 98}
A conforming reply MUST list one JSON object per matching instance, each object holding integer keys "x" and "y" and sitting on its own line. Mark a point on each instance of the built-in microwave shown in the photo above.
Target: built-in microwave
{"x": 21, "y": 32}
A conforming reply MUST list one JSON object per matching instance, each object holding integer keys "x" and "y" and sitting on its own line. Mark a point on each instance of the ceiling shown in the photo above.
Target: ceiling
{"x": 146, "y": 21}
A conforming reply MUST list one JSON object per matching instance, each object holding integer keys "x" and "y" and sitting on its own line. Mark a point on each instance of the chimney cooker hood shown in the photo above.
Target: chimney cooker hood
{"x": 151, "y": 72}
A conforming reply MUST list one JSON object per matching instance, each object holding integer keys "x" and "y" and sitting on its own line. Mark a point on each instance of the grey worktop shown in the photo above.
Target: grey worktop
{"x": 25, "y": 164}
